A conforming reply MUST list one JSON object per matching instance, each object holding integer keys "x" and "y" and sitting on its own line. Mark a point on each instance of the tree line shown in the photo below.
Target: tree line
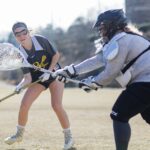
{"x": 75, "y": 45}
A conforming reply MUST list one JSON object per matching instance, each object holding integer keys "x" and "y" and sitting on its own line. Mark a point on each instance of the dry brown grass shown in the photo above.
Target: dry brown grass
{"x": 89, "y": 117}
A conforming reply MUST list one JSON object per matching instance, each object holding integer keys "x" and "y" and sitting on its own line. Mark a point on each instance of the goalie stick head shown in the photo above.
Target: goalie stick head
{"x": 11, "y": 58}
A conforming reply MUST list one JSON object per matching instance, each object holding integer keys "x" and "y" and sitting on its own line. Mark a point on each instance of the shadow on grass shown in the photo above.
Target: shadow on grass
{"x": 73, "y": 148}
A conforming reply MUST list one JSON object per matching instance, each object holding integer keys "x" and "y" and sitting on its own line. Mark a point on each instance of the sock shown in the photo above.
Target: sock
{"x": 66, "y": 130}
{"x": 20, "y": 127}
{"x": 20, "y": 130}
{"x": 67, "y": 133}
{"x": 122, "y": 133}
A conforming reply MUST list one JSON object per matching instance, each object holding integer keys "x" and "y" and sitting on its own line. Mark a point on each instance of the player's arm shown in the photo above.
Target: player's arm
{"x": 86, "y": 66}
{"x": 53, "y": 53}
{"x": 26, "y": 80}
{"x": 54, "y": 61}
{"x": 90, "y": 64}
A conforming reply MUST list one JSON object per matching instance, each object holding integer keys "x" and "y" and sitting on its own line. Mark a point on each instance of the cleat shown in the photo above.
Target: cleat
{"x": 18, "y": 137}
{"x": 68, "y": 144}
{"x": 68, "y": 140}
{"x": 13, "y": 139}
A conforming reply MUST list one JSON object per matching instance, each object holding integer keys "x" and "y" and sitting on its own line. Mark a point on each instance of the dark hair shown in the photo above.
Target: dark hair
{"x": 113, "y": 20}
{"x": 18, "y": 25}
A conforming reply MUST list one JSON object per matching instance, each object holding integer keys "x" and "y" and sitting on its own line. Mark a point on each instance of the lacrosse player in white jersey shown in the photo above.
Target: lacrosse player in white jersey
{"x": 125, "y": 57}
{"x": 39, "y": 52}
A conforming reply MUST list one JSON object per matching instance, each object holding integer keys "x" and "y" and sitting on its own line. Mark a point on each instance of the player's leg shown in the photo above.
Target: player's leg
{"x": 122, "y": 133}
{"x": 129, "y": 103}
{"x": 31, "y": 94}
{"x": 121, "y": 127}
{"x": 146, "y": 115}
{"x": 56, "y": 89}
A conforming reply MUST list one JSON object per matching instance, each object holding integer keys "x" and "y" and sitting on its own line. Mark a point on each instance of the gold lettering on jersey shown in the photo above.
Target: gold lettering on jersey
{"x": 41, "y": 64}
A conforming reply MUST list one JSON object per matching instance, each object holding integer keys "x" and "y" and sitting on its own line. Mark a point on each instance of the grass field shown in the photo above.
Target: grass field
{"x": 89, "y": 117}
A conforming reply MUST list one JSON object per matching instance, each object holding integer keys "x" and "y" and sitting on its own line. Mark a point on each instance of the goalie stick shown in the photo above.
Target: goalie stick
{"x": 11, "y": 58}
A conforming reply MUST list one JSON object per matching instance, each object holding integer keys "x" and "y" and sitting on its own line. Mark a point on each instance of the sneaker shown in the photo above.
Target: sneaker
{"x": 68, "y": 144}
{"x": 68, "y": 140}
{"x": 15, "y": 138}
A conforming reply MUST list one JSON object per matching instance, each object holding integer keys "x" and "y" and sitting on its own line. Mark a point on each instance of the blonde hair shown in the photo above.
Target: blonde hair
{"x": 132, "y": 28}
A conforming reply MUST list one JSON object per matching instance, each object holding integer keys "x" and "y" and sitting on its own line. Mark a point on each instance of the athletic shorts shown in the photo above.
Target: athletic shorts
{"x": 133, "y": 100}
{"x": 47, "y": 82}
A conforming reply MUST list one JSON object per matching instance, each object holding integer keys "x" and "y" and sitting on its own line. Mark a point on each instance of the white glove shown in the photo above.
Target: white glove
{"x": 90, "y": 84}
{"x": 85, "y": 87}
{"x": 61, "y": 78}
{"x": 44, "y": 77}
{"x": 66, "y": 72}
{"x": 18, "y": 88}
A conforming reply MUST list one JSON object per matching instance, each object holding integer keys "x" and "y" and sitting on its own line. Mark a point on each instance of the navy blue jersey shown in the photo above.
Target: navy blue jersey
{"x": 40, "y": 55}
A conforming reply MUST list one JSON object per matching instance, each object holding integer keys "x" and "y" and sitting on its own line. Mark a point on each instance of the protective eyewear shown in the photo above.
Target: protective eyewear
{"x": 22, "y": 32}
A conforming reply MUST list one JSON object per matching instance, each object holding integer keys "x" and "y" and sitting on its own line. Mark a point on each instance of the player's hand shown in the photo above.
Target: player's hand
{"x": 18, "y": 89}
{"x": 67, "y": 72}
{"x": 89, "y": 84}
{"x": 85, "y": 87}
{"x": 62, "y": 79}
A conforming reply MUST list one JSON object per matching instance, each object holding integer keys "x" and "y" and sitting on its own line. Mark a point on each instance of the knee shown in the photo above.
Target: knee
{"x": 118, "y": 117}
{"x": 56, "y": 107}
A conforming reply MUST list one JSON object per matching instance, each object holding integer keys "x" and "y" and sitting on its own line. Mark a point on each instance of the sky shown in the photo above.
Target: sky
{"x": 61, "y": 13}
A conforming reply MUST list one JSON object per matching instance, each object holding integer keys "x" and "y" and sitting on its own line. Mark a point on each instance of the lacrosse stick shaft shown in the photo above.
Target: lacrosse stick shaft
{"x": 10, "y": 95}
{"x": 68, "y": 79}
{"x": 15, "y": 92}
{"x": 30, "y": 84}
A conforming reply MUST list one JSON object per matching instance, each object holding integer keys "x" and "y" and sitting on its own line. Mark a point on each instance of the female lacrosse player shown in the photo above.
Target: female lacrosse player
{"x": 126, "y": 57}
{"x": 39, "y": 52}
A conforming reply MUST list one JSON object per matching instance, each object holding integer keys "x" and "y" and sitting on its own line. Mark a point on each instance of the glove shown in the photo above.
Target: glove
{"x": 18, "y": 88}
{"x": 44, "y": 77}
{"x": 67, "y": 72}
{"x": 89, "y": 84}
{"x": 62, "y": 79}
{"x": 85, "y": 87}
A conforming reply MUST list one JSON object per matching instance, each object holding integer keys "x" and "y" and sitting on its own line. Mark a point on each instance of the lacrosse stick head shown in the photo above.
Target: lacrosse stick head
{"x": 11, "y": 58}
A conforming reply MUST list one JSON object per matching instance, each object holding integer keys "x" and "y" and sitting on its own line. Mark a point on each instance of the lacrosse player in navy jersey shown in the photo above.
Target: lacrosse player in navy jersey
{"x": 125, "y": 57}
{"x": 39, "y": 52}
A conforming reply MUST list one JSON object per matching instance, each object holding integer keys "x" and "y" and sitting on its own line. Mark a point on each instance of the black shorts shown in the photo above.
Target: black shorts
{"x": 47, "y": 82}
{"x": 133, "y": 100}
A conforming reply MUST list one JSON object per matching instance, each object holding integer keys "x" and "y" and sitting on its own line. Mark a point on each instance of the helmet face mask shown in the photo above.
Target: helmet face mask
{"x": 111, "y": 21}
{"x": 102, "y": 30}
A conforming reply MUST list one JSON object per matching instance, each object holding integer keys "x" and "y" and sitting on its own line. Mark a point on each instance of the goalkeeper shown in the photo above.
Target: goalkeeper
{"x": 39, "y": 52}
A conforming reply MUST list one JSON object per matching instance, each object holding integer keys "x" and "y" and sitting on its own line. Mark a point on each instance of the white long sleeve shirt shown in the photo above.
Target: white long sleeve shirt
{"x": 129, "y": 46}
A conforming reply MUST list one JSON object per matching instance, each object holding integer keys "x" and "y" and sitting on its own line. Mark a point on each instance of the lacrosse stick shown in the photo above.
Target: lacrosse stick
{"x": 15, "y": 92}
{"x": 12, "y": 58}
